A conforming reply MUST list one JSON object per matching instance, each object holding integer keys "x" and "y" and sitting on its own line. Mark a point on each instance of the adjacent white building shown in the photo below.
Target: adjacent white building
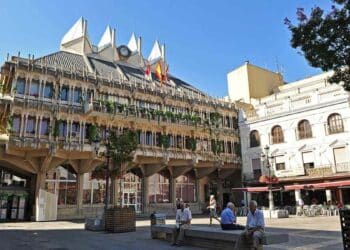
{"x": 306, "y": 126}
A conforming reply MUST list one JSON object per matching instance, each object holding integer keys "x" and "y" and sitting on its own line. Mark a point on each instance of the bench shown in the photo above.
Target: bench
{"x": 212, "y": 237}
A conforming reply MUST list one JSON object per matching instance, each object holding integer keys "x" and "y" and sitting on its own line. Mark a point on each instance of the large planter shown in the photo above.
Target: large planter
{"x": 4, "y": 138}
{"x": 120, "y": 220}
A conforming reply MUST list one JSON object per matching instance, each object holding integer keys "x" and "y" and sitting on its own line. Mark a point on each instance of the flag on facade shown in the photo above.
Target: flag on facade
{"x": 165, "y": 76}
{"x": 148, "y": 73}
{"x": 159, "y": 72}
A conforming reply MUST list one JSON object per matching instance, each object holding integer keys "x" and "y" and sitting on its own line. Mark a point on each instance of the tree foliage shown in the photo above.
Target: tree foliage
{"x": 121, "y": 148}
{"x": 324, "y": 39}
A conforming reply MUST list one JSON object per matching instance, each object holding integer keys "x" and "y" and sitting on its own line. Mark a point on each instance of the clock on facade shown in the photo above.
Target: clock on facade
{"x": 124, "y": 51}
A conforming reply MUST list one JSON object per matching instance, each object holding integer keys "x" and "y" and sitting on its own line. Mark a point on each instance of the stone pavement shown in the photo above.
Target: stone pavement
{"x": 305, "y": 233}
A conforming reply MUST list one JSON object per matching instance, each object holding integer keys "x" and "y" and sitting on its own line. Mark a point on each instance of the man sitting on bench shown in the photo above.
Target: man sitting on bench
{"x": 254, "y": 230}
{"x": 228, "y": 218}
{"x": 183, "y": 221}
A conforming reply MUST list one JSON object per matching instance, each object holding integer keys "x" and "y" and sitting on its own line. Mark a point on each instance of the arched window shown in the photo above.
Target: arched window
{"x": 63, "y": 182}
{"x": 159, "y": 187}
{"x": 335, "y": 124}
{"x": 186, "y": 187}
{"x": 277, "y": 134}
{"x": 254, "y": 139}
{"x": 94, "y": 186}
{"x": 304, "y": 129}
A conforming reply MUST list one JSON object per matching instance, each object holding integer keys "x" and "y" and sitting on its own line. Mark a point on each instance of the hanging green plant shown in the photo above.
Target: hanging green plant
{"x": 93, "y": 135}
{"x": 110, "y": 107}
{"x": 215, "y": 119}
{"x": 9, "y": 127}
{"x": 216, "y": 147}
{"x": 159, "y": 114}
{"x": 193, "y": 144}
{"x": 169, "y": 114}
{"x": 56, "y": 128}
{"x": 165, "y": 141}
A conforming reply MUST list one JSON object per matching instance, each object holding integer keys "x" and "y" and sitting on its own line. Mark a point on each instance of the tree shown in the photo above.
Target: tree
{"x": 121, "y": 147}
{"x": 324, "y": 40}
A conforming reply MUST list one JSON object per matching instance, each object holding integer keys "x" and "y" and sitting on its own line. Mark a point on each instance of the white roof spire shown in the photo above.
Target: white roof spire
{"x": 75, "y": 32}
{"x": 107, "y": 37}
{"x": 132, "y": 45}
{"x": 155, "y": 53}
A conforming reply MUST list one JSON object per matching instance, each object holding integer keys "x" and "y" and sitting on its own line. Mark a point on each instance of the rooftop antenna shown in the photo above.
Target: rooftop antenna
{"x": 278, "y": 66}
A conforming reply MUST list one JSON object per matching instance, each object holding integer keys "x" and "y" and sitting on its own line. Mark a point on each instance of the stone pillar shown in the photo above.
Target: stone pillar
{"x": 297, "y": 194}
{"x": 39, "y": 128}
{"x": 197, "y": 191}
{"x": 328, "y": 195}
{"x": 80, "y": 190}
{"x": 220, "y": 193}
{"x": 145, "y": 200}
{"x": 249, "y": 198}
{"x": 40, "y": 184}
{"x": 173, "y": 191}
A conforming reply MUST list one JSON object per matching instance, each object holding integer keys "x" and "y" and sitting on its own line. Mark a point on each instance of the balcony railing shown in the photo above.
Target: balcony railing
{"x": 342, "y": 167}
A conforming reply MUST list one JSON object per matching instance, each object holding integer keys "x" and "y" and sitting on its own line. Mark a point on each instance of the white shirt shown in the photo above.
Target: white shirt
{"x": 182, "y": 216}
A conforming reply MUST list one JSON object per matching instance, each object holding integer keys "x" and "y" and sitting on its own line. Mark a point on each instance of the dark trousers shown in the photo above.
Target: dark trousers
{"x": 232, "y": 227}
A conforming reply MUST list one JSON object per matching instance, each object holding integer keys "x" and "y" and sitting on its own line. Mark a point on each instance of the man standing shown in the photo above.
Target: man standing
{"x": 228, "y": 218}
{"x": 183, "y": 221}
{"x": 254, "y": 229}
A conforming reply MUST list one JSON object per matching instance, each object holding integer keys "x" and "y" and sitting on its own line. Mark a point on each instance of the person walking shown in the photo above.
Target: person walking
{"x": 212, "y": 210}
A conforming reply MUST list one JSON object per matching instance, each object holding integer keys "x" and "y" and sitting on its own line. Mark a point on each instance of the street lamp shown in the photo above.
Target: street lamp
{"x": 266, "y": 158}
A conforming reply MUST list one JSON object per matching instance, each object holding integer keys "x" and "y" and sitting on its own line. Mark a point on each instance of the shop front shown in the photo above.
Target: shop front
{"x": 15, "y": 194}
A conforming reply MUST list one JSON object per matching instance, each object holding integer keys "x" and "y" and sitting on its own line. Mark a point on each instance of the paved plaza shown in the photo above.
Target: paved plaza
{"x": 305, "y": 233}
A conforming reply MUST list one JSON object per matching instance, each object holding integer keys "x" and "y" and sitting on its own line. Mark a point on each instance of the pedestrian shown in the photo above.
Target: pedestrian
{"x": 254, "y": 230}
{"x": 228, "y": 218}
{"x": 212, "y": 209}
{"x": 183, "y": 221}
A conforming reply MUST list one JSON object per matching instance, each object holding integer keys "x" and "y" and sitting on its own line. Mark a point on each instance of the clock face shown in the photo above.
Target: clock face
{"x": 124, "y": 51}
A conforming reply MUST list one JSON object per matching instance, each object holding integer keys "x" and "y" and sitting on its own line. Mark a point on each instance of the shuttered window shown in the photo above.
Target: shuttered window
{"x": 340, "y": 155}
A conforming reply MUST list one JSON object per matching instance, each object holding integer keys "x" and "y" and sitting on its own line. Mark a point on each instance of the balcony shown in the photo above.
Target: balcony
{"x": 342, "y": 167}
{"x": 6, "y": 98}
{"x": 319, "y": 172}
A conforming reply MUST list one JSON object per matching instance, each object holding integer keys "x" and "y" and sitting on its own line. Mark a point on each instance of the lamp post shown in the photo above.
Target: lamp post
{"x": 266, "y": 158}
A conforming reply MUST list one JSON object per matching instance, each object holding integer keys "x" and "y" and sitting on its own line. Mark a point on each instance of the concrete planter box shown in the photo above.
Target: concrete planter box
{"x": 120, "y": 220}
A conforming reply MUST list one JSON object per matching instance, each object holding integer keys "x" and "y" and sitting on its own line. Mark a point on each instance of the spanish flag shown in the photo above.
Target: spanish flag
{"x": 159, "y": 71}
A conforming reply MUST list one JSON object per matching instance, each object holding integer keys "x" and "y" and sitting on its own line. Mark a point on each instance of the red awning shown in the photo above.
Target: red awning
{"x": 253, "y": 189}
{"x": 320, "y": 185}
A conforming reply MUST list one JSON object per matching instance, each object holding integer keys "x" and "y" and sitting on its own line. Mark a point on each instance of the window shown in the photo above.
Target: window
{"x": 186, "y": 188}
{"x": 62, "y": 129}
{"x": 94, "y": 187}
{"x": 131, "y": 188}
{"x": 48, "y": 91}
{"x": 280, "y": 163}
{"x": 308, "y": 160}
{"x": 34, "y": 89}
{"x": 256, "y": 166}
{"x": 77, "y": 95}
{"x": 75, "y": 129}
{"x": 149, "y": 138}
{"x": 16, "y": 124}
{"x": 62, "y": 181}
{"x": 159, "y": 188}
{"x": 30, "y": 125}
{"x": 277, "y": 135}
{"x": 64, "y": 93}
{"x": 335, "y": 124}
{"x": 340, "y": 156}
{"x": 20, "y": 86}
{"x": 254, "y": 139}
{"x": 304, "y": 129}
{"x": 45, "y": 122}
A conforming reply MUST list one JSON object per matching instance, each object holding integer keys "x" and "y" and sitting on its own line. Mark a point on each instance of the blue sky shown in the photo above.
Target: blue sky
{"x": 204, "y": 39}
